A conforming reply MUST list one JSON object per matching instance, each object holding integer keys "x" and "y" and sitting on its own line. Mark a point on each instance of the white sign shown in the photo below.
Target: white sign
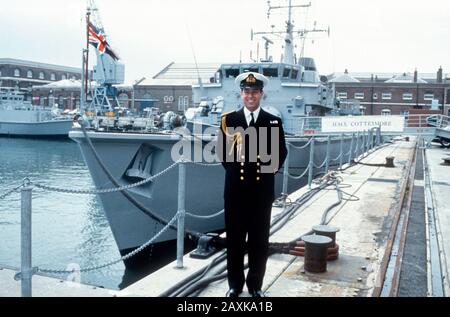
{"x": 363, "y": 123}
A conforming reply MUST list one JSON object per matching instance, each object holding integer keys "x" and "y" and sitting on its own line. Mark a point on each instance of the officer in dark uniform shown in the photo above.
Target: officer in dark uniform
{"x": 252, "y": 149}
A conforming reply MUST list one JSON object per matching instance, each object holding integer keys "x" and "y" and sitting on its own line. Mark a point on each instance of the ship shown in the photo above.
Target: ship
{"x": 19, "y": 117}
{"x": 118, "y": 156}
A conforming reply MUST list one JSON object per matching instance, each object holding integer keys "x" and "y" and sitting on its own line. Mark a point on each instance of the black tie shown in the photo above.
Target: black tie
{"x": 252, "y": 122}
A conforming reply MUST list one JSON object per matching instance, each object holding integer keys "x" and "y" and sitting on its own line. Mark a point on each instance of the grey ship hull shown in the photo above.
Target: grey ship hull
{"x": 53, "y": 128}
{"x": 120, "y": 153}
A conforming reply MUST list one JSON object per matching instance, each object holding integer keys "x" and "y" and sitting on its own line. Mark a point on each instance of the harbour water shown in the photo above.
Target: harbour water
{"x": 68, "y": 230}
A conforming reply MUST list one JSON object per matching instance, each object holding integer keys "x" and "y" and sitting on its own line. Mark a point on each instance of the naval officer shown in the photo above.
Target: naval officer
{"x": 251, "y": 147}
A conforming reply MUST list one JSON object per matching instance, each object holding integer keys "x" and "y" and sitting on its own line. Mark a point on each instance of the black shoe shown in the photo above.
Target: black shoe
{"x": 258, "y": 293}
{"x": 233, "y": 293}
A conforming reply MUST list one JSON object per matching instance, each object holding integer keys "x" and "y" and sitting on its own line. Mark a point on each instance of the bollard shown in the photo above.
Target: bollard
{"x": 26, "y": 274}
{"x": 286, "y": 177}
{"x": 311, "y": 163}
{"x": 327, "y": 158}
{"x": 181, "y": 213}
{"x": 390, "y": 162}
{"x": 316, "y": 252}
{"x": 327, "y": 231}
{"x": 446, "y": 161}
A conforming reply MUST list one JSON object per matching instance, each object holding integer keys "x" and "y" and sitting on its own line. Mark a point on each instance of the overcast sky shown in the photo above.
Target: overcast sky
{"x": 366, "y": 36}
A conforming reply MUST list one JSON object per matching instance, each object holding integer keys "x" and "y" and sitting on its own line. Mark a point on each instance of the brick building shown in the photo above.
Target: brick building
{"x": 394, "y": 94}
{"x": 23, "y": 75}
{"x": 171, "y": 89}
{"x": 66, "y": 94}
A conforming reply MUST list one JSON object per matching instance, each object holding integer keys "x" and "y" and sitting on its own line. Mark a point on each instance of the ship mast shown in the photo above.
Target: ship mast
{"x": 289, "y": 47}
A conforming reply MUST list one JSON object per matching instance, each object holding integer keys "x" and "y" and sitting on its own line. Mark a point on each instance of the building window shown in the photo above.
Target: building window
{"x": 408, "y": 96}
{"x": 168, "y": 99}
{"x": 428, "y": 96}
{"x": 342, "y": 95}
{"x": 63, "y": 77}
{"x": 386, "y": 96}
{"x": 17, "y": 72}
{"x": 61, "y": 102}
{"x": 359, "y": 95}
{"x": 386, "y": 112}
{"x": 181, "y": 103}
{"x": 41, "y": 75}
{"x": 124, "y": 100}
{"x": 52, "y": 76}
{"x": 29, "y": 74}
{"x": 375, "y": 96}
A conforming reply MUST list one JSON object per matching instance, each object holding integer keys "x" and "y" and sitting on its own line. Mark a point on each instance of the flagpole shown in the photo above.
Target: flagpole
{"x": 86, "y": 70}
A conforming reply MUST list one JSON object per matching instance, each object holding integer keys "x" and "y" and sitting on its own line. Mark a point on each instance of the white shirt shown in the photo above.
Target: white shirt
{"x": 248, "y": 115}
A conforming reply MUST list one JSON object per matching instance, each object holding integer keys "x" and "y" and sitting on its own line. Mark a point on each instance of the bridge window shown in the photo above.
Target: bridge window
{"x": 287, "y": 72}
{"x": 270, "y": 72}
{"x": 252, "y": 69}
{"x": 294, "y": 73}
{"x": 232, "y": 72}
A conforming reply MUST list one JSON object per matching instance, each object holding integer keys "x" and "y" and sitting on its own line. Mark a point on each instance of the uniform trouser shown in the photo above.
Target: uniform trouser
{"x": 250, "y": 218}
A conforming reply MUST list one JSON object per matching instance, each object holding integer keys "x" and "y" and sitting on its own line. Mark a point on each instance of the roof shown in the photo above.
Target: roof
{"x": 75, "y": 84}
{"x": 183, "y": 74}
{"x": 345, "y": 78}
{"x": 19, "y": 62}
{"x": 383, "y": 76}
{"x": 405, "y": 78}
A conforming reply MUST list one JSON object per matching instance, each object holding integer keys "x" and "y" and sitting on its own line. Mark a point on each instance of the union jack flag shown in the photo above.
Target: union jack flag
{"x": 98, "y": 40}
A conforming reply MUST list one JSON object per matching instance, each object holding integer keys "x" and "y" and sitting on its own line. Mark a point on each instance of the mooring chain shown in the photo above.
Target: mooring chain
{"x": 124, "y": 258}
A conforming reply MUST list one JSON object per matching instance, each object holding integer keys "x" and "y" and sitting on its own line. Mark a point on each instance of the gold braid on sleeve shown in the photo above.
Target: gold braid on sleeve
{"x": 236, "y": 137}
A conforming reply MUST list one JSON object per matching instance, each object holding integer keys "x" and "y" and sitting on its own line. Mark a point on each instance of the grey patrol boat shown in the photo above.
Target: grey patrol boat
{"x": 120, "y": 157}
{"x": 19, "y": 117}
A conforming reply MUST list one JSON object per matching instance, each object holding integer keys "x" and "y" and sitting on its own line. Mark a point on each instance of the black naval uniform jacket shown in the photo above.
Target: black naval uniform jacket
{"x": 249, "y": 194}
{"x": 244, "y": 177}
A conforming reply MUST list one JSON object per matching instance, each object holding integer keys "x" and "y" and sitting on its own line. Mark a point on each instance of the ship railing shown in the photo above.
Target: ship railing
{"x": 352, "y": 148}
{"x": 413, "y": 124}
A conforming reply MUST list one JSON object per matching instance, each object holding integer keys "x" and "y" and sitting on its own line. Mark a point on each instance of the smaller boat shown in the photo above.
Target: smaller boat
{"x": 19, "y": 117}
